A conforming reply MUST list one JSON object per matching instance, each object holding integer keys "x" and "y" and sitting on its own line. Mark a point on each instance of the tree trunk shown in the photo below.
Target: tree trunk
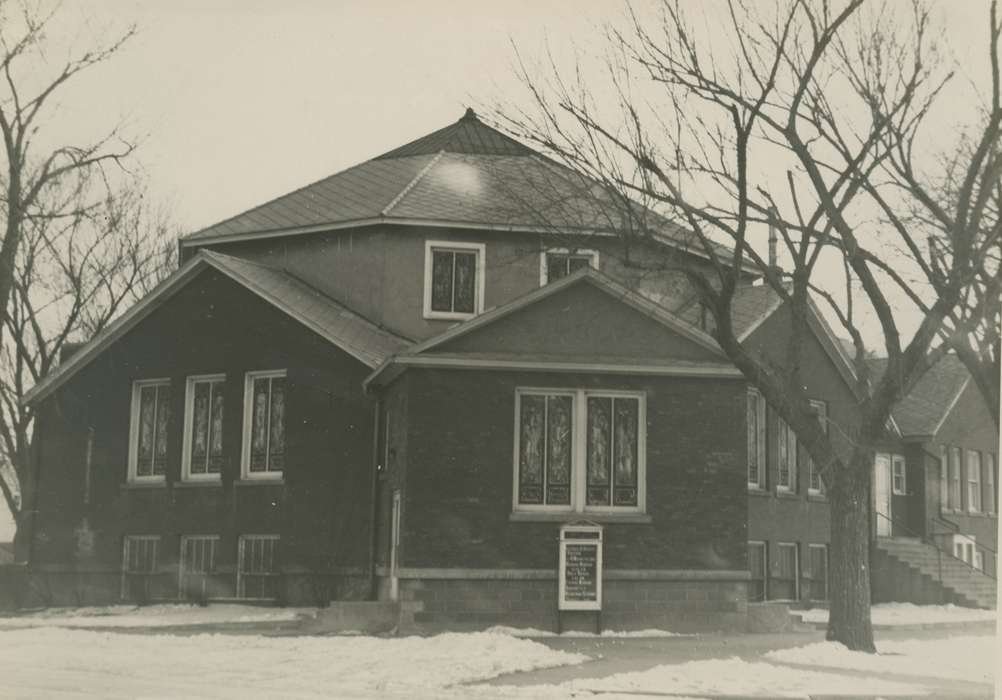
{"x": 849, "y": 617}
{"x": 24, "y": 518}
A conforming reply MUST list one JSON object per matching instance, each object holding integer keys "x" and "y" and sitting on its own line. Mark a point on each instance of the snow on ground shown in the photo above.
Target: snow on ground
{"x": 909, "y": 614}
{"x": 732, "y": 676}
{"x": 50, "y": 662}
{"x": 153, "y": 616}
{"x": 955, "y": 658}
{"x": 532, "y": 632}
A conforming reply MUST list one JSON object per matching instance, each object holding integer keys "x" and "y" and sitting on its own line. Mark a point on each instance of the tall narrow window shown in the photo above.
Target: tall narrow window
{"x": 990, "y": 494}
{"x": 561, "y": 262}
{"x": 815, "y": 484}
{"x": 203, "y": 435}
{"x": 148, "y": 431}
{"x": 454, "y": 279}
{"x": 757, "y": 566}
{"x": 264, "y": 425}
{"x": 973, "y": 481}
{"x": 785, "y": 584}
{"x": 944, "y": 478}
{"x": 257, "y": 567}
{"x": 818, "y": 580}
{"x": 786, "y": 443}
{"x": 139, "y": 566}
{"x": 755, "y": 426}
{"x": 578, "y": 450}
{"x": 198, "y": 564}
{"x": 898, "y": 481}
{"x": 954, "y": 501}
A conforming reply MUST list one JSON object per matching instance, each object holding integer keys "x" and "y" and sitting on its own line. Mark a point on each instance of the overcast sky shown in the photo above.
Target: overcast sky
{"x": 238, "y": 101}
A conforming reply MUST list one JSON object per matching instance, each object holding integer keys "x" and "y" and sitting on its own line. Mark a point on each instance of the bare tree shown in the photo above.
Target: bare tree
{"x": 815, "y": 119}
{"x": 72, "y": 276}
{"x": 29, "y": 84}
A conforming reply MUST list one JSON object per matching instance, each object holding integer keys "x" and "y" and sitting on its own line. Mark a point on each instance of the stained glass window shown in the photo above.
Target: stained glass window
{"x": 267, "y": 426}
{"x": 755, "y": 412}
{"x": 545, "y": 443}
{"x": 153, "y": 401}
{"x": 787, "y": 456}
{"x": 815, "y": 484}
{"x": 206, "y": 429}
{"x": 453, "y": 281}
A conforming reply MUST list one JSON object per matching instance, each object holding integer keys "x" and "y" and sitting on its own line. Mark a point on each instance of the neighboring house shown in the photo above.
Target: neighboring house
{"x": 401, "y": 382}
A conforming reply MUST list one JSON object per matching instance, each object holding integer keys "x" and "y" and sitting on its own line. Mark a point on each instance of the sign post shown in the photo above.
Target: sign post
{"x": 580, "y": 575}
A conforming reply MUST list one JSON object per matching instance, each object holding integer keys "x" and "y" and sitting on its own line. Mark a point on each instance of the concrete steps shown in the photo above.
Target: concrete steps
{"x": 911, "y": 570}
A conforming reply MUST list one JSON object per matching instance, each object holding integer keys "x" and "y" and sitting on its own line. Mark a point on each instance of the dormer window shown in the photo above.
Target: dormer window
{"x": 560, "y": 262}
{"x": 453, "y": 279}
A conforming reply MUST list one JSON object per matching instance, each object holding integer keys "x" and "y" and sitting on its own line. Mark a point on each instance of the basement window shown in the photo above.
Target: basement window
{"x": 784, "y": 584}
{"x": 139, "y": 566}
{"x": 197, "y": 566}
{"x": 816, "y": 577}
{"x": 758, "y": 566}
{"x": 453, "y": 279}
{"x": 257, "y": 567}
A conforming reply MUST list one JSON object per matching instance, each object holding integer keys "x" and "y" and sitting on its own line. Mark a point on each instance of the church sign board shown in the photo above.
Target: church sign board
{"x": 580, "y": 576}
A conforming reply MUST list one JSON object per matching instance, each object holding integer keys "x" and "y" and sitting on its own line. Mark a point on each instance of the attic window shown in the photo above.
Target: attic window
{"x": 560, "y": 262}
{"x": 453, "y": 280}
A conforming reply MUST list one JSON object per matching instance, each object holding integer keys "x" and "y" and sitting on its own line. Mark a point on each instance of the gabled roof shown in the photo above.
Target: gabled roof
{"x": 923, "y": 410}
{"x": 419, "y": 353}
{"x": 329, "y": 319}
{"x": 466, "y": 175}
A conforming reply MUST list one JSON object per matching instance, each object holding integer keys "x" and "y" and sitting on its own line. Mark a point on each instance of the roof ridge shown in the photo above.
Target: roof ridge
{"x": 297, "y": 190}
{"x": 410, "y": 185}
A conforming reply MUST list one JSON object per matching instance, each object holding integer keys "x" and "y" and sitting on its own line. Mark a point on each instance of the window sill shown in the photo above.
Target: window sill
{"x": 259, "y": 482}
{"x": 788, "y": 494}
{"x": 449, "y": 316}
{"x": 197, "y": 483}
{"x": 138, "y": 485}
{"x": 755, "y": 491}
{"x": 817, "y": 497}
{"x": 566, "y": 517}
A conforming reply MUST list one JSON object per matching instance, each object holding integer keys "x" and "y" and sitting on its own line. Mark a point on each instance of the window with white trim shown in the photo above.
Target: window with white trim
{"x": 990, "y": 493}
{"x": 755, "y": 425}
{"x": 954, "y": 468}
{"x": 560, "y": 262}
{"x": 944, "y": 478}
{"x": 816, "y": 577}
{"x": 140, "y": 566}
{"x": 899, "y": 482}
{"x": 784, "y": 584}
{"x": 758, "y": 566}
{"x": 578, "y": 450}
{"x": 786, "y": 455}
{"x": 149, "y": 422}
{"x": 197, "y": 566}
{"x": 205, "y": 398}
{"x": 815, "y": 486}
{"x": 453, "y": 279}
{"x": 263, "y": 455}
{"x": 973, "y": 481}
{"x": 257, "y": 567}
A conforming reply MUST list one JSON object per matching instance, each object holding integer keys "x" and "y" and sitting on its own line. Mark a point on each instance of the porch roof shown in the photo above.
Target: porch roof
{"x": 360, "y": 338}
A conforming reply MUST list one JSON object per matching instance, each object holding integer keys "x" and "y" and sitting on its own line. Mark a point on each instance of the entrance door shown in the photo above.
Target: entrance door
{"x": 394, "y": 544}
{"x": 882, "y": 494}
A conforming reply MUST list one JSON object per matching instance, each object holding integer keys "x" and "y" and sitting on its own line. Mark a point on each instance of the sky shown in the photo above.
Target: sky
{"x": 234, "y": 102}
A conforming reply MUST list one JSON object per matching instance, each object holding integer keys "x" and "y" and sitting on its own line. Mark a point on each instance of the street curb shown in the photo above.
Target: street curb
{"x": 973, "y": 625}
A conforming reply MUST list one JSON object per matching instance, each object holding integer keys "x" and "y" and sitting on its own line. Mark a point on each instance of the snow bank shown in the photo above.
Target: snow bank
{"x": 732, "y": 677}
{"x": 909, "y": 614}
{"x": 955, "y": 658}
{"x": 48, "y": 661}
{"x": 153, "y": 616}
{"x": 531, "y": 632}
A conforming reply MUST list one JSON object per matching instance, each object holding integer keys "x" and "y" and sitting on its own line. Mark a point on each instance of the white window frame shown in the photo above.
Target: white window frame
{"x": 245, "y": 472}
{"x": 895, "y": 461}
{"x": 796, "y": 567}
{"x": 760, "y": 438}
{"x": 944, "y": 478}
{"x": 133, "y": 476}
{"x": 127, "y": 540}
{"x": 189, "y": 415}
{"x": 479, "y": 284}
{"x": 180, "y": 563}
{"x": 821, "y": 408}
{"x": 973, "y": 473}
{"x": 579, "y": 451}
{"x": 765, "y": 566}
{"x": 241, "y": 542}
{"x": 544, "y": 275}
{"x": 786, "y": 437}
{"x": 956, "y": 477}
{"x": 989, "y": 467}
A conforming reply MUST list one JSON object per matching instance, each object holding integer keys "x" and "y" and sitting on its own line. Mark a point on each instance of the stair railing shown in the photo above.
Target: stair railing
{"x": 921, "y": 537}
{"x": 954, "y": 529}
{"x": 928, "y": 539}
